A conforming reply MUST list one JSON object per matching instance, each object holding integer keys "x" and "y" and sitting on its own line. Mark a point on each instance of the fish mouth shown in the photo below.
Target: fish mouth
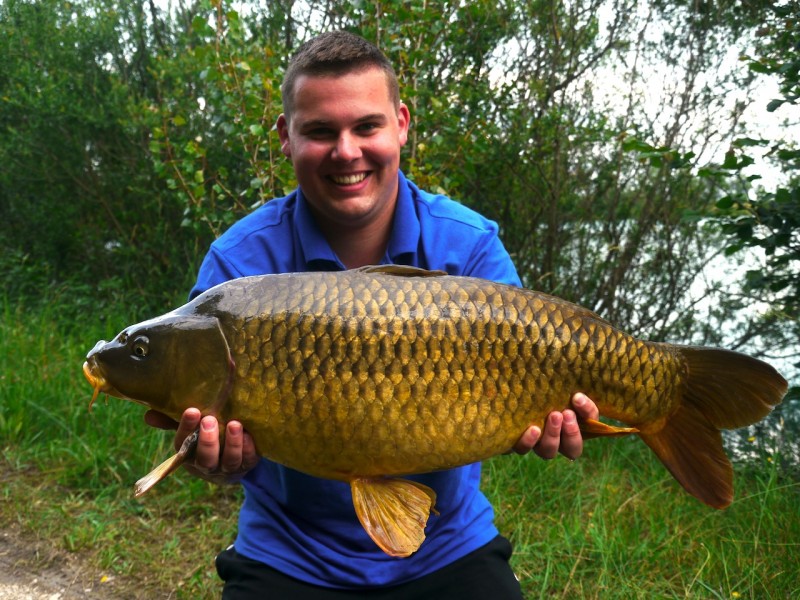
{"x": 95, "y": 378}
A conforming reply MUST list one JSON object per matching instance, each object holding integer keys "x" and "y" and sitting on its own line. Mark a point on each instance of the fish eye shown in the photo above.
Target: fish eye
{"x": 140, "y": 347}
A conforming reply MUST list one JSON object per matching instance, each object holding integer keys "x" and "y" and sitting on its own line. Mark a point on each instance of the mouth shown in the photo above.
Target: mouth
{"x": 349, "y": 178}
{"x": 95, "y": 379}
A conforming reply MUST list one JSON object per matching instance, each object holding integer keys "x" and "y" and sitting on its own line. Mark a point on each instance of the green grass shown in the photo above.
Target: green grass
{"x": 615, "y": 525}
{"x": 68, "y": 473}
{"x": 610, "y": 525}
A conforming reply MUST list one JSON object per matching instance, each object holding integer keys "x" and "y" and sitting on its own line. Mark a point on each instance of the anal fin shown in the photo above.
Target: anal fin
{"x": 591, "y": 428}
{"x": 393, "y": 512}
{"x": 168, "y": 466}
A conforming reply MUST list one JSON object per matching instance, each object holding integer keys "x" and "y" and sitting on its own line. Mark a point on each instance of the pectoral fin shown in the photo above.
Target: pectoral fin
{"x": 168, "y": 466}
{"x": 591, "y": 428}
{"x": 393, "y": 512}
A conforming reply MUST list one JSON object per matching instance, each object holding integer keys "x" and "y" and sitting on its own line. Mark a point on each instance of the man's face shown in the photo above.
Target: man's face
{"x": 344, "y": 139}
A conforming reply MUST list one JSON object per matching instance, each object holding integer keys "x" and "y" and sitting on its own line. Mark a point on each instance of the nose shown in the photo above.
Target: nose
{"x": 346, "y": 148}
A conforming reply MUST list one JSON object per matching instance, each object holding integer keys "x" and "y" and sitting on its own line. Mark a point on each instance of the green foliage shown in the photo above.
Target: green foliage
{"x": 133, "y": 137}
{"x": 769, "y": 219}
{"x": 212, "y": 138}
{"x": 78, "y": 198}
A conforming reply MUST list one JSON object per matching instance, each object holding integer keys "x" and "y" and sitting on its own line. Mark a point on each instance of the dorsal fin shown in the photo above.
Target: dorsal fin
{"x": 400, "y": 271}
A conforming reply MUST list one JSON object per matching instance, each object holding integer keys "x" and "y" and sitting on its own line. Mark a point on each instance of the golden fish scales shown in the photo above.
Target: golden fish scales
{"x": 379, "y": 377}
{"x": 369, "y": 374}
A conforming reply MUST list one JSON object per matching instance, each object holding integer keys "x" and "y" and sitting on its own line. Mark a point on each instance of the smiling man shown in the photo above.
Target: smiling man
{"x": 342, "y": 131}
{"x": 343, "y": 128}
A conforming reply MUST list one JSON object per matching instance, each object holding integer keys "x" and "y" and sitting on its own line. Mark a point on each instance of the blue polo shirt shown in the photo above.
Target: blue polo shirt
{"x": 306, "y": 527}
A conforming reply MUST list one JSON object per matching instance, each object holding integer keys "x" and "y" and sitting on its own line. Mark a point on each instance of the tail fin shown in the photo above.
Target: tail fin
{"x": 724, "y": 390}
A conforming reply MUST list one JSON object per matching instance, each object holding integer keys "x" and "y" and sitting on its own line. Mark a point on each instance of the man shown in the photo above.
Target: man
{"x": 343, "y": 127}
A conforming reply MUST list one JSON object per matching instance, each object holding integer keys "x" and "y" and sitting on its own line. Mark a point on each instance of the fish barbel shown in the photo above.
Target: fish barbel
{"x": 369, "y": 374}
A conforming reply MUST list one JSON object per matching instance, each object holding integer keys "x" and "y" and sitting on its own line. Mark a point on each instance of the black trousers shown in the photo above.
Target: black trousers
{"x": 481, "y": 575}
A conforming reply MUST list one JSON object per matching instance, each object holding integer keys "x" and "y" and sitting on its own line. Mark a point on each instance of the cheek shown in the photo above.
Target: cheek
{"x": 385, "y": 151}
{"x": 308, "y": 154}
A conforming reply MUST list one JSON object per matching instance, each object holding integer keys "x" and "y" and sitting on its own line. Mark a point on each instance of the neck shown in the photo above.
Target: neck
{"x": 360, "y": 246}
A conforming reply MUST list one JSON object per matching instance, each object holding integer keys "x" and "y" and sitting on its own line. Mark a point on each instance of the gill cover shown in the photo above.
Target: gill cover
{"x": 168, "y": 363}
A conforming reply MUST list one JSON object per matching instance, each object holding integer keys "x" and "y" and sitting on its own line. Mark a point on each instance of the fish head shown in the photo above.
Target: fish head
{"x": 168, "y": 364}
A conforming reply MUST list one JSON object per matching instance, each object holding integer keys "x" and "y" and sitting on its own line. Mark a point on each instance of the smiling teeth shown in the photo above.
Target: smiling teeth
{"x": 348, "y": 179}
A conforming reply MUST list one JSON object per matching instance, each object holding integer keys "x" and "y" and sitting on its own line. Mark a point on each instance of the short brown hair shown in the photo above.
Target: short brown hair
{"x": 331, "y": 54}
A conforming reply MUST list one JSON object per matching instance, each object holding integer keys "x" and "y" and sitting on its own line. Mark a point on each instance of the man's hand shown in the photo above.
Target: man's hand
{"x": 561, "y": 431}
{"x": 212, "y": 463}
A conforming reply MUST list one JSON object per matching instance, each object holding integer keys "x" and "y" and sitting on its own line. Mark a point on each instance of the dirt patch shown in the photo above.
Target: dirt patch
{"x": 32, "y": 570}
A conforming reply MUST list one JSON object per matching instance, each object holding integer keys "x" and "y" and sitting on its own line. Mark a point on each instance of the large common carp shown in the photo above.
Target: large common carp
{"x": 366, "y": 375}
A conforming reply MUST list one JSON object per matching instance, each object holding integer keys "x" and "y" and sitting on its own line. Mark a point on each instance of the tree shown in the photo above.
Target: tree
{"x": 218, "y": 98}
{"x": 769, "y": 219}
{"x": 78, "y": 201}
{"x": 149, "y": 133}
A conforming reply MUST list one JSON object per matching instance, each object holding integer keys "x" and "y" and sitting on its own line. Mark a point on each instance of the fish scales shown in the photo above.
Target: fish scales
{"x": 369, "y": 374}
{"x": 445, "y": 359}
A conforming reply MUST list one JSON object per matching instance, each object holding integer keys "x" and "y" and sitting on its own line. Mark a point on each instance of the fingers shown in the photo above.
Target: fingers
{"x": 571, "y": 441}
{"x": 562, "y": 433}
{"x": 239, "y": 443}
{"x": 190, "y": 420}
{"x": 550, "y": 441}
{"x": 584, "y": 407}
{"x": 206, "y": 456}
{"x": 527, "y": 442}
{"x": 231, "y": 459}
{"x": 239, "y": 453}
{"x": 218, "y": 462}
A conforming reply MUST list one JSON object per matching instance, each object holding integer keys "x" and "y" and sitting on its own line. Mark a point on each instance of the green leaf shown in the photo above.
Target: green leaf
{"x": 199, "y": 24}
{"x": 759, "y": 67}
{"x": 747, "y": 141}
{"x": 725, "y": 203}
{"x": 745, "y": 231}
{"x": 730, "y": 160}
{"x": 733, "y": 249}
{"x": 774, "y": 105}
{"x": 633, "y": 144}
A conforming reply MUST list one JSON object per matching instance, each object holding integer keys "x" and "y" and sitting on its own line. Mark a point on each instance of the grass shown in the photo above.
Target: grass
{"x": 615, "y": 525}
{"x": 68, "y": 474}
{"x": 610, "y": 525}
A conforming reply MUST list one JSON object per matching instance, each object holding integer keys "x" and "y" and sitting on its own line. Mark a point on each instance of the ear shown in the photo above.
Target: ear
{"x": 282, "y": 125}
{"x": 403, "y": 121}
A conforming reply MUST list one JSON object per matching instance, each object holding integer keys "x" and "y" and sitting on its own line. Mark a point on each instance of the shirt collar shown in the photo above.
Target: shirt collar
{"x": 317, "y": 253}
{"x": 403, "y": 240}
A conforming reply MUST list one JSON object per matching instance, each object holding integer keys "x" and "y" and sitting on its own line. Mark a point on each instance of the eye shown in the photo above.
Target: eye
{"x": 319, "y": 133}
{"x": 367, "y": 128}
{"x": 140, "y": 347}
